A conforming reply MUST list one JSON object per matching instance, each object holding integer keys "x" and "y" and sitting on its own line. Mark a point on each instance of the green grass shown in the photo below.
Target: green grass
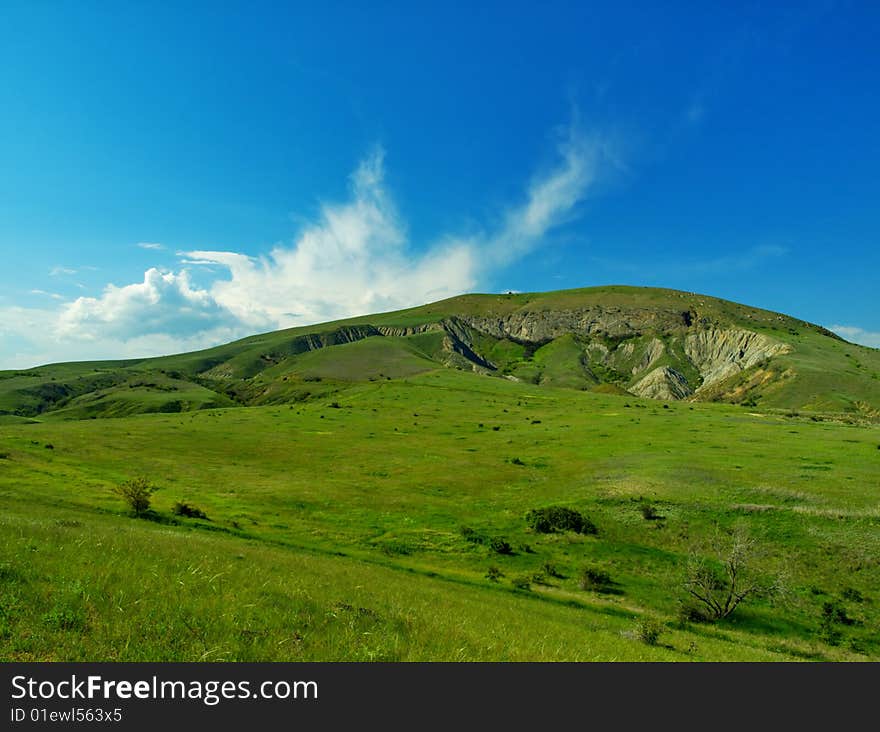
{"x": 335, "y": 526}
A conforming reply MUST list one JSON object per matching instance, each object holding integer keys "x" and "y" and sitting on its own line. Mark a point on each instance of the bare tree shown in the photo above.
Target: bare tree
{"x": 720, "y": 591}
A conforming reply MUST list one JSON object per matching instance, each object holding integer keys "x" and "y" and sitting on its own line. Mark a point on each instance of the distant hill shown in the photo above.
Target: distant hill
{"x": 647, "y": 342}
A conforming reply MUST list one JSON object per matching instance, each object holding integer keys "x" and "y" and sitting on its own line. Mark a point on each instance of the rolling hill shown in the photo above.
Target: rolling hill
{"x": 365, "y": 489}
{"x": 654, "y": 343}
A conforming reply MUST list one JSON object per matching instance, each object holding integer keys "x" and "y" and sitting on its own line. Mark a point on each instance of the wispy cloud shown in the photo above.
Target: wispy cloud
{"x": 857, "y": 335}
{"x": 356, "y": 257}
{"x": 552, "y": 198}
{"x": 57, "y": 271}
{"x": 53, "y": 295}
{"x": 360, "y": 252}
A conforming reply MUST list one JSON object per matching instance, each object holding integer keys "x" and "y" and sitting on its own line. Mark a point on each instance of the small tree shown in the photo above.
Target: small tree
{"x": 137, "y": 493}
{"x": 720, "y": 591}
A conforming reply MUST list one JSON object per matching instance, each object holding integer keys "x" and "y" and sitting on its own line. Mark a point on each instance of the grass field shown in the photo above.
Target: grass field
{"x": 361, "y": 523}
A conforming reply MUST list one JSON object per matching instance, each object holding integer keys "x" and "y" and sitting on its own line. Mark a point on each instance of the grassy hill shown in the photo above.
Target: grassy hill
{"x": 643, "y": 341}
{"x": 368, "y": 487}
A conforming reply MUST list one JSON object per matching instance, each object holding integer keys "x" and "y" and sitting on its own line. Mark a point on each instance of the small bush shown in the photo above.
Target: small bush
{"x": 558, "y": 518}
{"x": 834, "y": 613}
{"x": 185, "y": 509}
{"x": 516, "y": 461}
{"x": 596, "y": 580}
{"x": 551, "y": 570}
{"x": 494, "y": 574}
{"x": 649, "y": 512}
{"x": 472, "y": 535}
{"x": 137, "y": 493}
{"x": 689, "y": 612}
{"x": 833, "y": 616}
{"x": 648, "y": 631}
{"x": 500, "y": 546}
{"x": 852, "y": 594}
{"x": 522, "y": 582}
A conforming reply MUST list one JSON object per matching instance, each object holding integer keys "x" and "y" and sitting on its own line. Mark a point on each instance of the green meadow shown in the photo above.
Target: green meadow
{"x": 385, "y": 520}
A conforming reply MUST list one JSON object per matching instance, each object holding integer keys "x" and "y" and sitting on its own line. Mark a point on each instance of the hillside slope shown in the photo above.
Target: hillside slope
{"x": 656, "y": 343}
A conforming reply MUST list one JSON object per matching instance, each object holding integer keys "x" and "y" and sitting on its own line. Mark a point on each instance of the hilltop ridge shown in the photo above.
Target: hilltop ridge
{"x": 646, "y": 342}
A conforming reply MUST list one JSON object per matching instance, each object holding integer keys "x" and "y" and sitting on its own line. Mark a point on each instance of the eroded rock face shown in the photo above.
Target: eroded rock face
{"x": 653, "y": 350}
{"x": 628, "y": 342}
{"x": 403, "y": 331}
{"x": 663, "y": 383}
{"x": 545, "y": 325}
{"x": 720, "y": 353}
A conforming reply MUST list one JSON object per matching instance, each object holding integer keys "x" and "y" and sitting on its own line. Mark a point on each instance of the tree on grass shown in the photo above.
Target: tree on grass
{"x": 719, "y": 591}
{"x": 136, "y": 492}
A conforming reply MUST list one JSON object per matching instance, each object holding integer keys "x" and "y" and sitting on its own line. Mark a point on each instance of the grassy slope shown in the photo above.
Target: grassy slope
{"x": 336, "y": 532}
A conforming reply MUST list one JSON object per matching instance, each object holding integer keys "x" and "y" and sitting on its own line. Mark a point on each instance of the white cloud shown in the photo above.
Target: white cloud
{"x": 150, "y": 245}
{"x": 858, "y": 335}
{"x": 56, "y": 271}
{"x": 31, "y": 337}
{"x": 164, "y": 303}
{"x": 356, "y": 258}
{"x": 53, "y": 295}
{"x": 552, "y": 197}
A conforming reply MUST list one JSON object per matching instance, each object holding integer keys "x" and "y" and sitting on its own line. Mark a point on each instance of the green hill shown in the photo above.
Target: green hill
{"x": 382, "y": 488}
{"x": 661, "y": 344}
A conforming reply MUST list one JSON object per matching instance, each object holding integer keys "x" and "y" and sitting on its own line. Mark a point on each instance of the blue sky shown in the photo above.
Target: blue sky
{"x": 175, "y": 175}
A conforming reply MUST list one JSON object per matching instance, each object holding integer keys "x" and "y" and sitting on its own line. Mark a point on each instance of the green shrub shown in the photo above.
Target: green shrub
{"x": 472, "y": 535}
{"x": 558, "y": 518}
{"x": 500, "y": 546}
{"x": 494, "y": 574}
{"x": 184, "y": 509}
{"x": 833, "y": 616}
{"x": 596, "y": 580}
{"x": 648, "y": 631}
{"x": 649, "y": 512}
{"x": 522, "y": 582}
{"x": 137, "y": 493}
{"x": 690, "y": 612}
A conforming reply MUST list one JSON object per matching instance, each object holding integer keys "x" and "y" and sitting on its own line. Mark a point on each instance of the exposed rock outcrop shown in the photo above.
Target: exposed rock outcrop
{"x": 663, "y": 383}
{"x": 718, "y": 354}
{"x": 618, "y": 344}
{"x": 409, "y": 330}
{"x": 544, "y": 325}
